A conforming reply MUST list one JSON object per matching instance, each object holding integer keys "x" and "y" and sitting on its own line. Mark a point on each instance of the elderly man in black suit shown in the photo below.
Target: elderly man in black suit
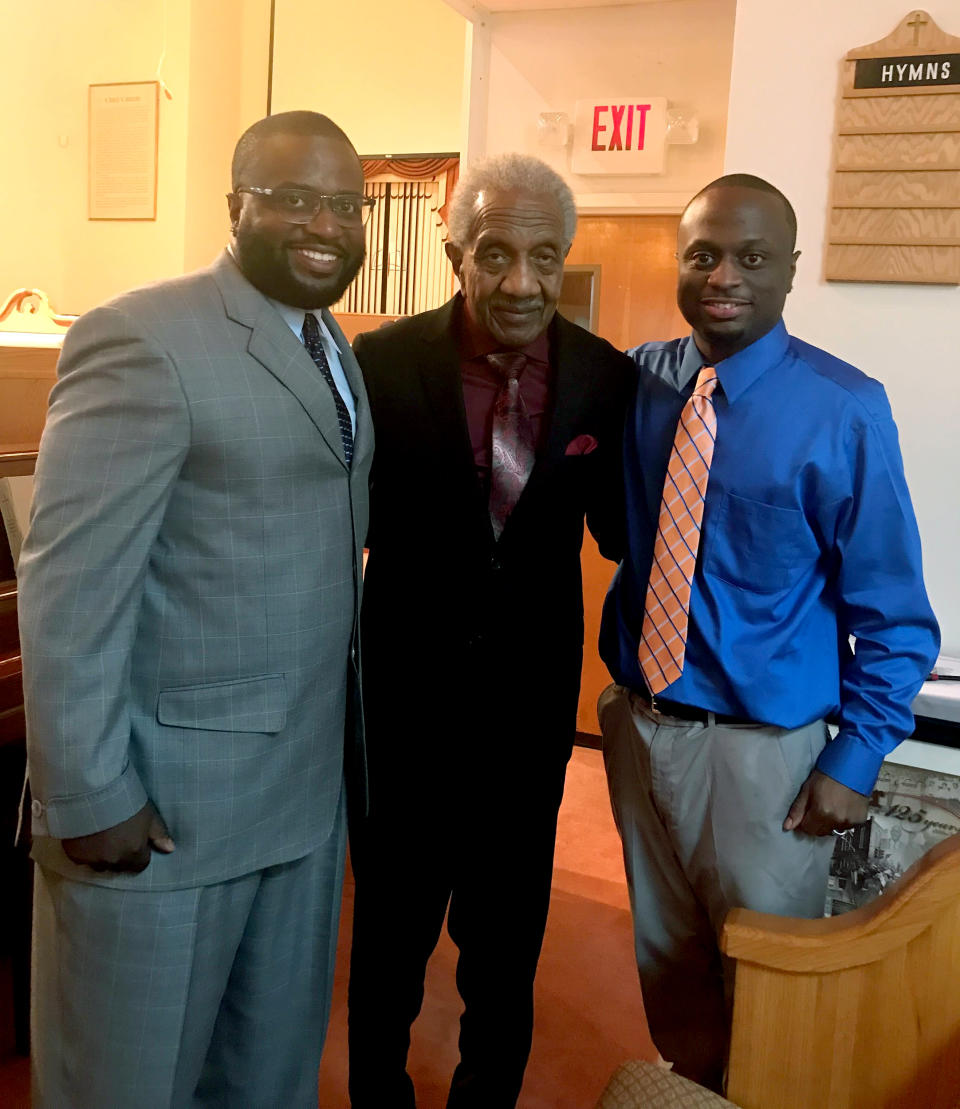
{"x": 498, "y": 427}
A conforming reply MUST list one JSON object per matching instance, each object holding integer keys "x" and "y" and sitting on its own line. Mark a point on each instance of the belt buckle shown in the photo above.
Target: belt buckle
{"x": 653, "y": 706}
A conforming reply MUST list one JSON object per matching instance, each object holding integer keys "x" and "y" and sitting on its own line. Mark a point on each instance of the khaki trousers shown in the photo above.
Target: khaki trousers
{"x": 699, "y": 808}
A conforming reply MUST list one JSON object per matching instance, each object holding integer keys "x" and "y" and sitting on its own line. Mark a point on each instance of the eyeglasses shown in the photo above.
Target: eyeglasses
{"x": 302, "y": 205}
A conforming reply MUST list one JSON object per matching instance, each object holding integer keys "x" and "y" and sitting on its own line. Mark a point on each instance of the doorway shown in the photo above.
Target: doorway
{"x": 636, "y": 304}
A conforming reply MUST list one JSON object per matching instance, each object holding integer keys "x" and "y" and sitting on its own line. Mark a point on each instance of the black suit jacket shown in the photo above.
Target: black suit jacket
{"x": 450, "y": 616}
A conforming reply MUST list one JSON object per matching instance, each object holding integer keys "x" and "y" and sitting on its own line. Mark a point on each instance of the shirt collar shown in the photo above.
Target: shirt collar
{"x": 293, "y": 317}
{"x": 475, "y": 342}
{"x": 738, "y": 372}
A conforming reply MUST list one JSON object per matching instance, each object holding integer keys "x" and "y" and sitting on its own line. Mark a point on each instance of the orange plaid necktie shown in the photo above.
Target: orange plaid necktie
{"x": 663, "y": 637}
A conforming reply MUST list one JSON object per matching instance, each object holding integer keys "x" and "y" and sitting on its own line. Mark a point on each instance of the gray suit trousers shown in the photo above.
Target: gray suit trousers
{"x": 700, "y": 809}
{"x": 213, "y": 995}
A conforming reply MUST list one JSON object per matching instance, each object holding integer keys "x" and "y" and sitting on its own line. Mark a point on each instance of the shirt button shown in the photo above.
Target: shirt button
{"x": 36, "y": 807}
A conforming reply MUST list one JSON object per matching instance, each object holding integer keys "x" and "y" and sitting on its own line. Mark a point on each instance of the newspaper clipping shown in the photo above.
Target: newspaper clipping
{"x": 910, "y": 811}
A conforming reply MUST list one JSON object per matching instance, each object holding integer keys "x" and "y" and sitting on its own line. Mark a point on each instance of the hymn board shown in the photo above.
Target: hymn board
{"x": 895, "y": 208}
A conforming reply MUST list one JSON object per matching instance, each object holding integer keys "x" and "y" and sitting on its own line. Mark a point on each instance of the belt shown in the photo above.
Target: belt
{"x": 664, "y": 707}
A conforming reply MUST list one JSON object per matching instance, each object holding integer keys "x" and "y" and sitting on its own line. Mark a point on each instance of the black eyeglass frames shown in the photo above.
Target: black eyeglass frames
{"x": 302, "y": 205}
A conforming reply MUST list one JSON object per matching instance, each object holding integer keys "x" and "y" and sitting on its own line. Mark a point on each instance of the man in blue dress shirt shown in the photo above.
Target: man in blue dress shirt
{"x": 724, "y": 782}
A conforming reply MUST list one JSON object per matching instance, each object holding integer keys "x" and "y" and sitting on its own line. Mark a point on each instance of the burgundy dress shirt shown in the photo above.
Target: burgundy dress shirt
{"x": 481, "y": 383}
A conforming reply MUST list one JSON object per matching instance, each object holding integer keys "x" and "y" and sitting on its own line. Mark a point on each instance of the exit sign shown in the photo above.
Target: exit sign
{"x": 619, "y": 135}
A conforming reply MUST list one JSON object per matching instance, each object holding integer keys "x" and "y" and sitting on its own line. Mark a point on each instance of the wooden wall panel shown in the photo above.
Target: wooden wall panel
{"x": 638, "y": 275}
{"x": 26, "y": 377}
{"x": 896, "y": 226}
{"x": 893, "y": 190}
{"x": 638, "y": 303}
{"x": 885, "y": 114}
{"x": 895, "y": 211}
{"x": 353, "y": 323}
{"x": 926, "y": 264}
{"x": 936, "y": 150}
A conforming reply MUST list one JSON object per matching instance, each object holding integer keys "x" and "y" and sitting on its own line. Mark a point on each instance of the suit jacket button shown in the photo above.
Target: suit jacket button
{"x": 496, "y": 565}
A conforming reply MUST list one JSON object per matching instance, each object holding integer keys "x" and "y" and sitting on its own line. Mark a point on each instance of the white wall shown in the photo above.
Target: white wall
{"x": 783, "y": 94}
{"x": 546, "y": 60}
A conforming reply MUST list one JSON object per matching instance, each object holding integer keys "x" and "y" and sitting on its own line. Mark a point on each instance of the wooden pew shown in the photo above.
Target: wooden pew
{"x": 859, "y": 1011}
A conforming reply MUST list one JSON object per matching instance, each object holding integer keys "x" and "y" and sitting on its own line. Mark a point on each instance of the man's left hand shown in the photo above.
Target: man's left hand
{"x": 824, "y": 806}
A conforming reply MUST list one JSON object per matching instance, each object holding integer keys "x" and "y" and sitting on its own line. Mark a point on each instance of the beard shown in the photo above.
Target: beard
{"x": 267, "y": 264}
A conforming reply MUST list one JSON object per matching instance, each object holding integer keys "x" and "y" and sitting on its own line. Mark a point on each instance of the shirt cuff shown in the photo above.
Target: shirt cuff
{"x": 84, "y": 814}
{"x": 849, "y": 761}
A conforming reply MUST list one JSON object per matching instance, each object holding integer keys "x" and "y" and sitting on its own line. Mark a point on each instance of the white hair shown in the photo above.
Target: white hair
{"x": 508, "y": 172}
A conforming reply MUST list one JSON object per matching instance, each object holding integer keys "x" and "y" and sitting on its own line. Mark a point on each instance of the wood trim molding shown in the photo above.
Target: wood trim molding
{"x": 34, "y": 306}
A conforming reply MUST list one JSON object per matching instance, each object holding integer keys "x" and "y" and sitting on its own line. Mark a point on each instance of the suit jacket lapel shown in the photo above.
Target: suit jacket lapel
{"x": 569, "y": 386}
{"x": 565, "y": 408}
{"x": 275, "y": 346}
{"x": 440, "y": 377}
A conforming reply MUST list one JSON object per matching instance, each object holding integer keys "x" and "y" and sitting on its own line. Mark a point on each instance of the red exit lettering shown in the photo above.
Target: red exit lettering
{"x": 630, "y": 137}
{"x": 596, "y": 126}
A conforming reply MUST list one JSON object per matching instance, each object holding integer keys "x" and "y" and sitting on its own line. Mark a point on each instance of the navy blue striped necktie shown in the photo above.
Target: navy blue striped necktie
{"x": 311, "y": 340}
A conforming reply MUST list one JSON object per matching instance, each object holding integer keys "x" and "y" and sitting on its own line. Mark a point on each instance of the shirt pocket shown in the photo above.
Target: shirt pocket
{"x": 243, "y": 705}
{"x": 757, "y": 546}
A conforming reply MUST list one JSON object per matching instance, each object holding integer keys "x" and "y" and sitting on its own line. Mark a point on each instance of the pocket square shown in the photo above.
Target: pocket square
{"x": 583, "y": 444}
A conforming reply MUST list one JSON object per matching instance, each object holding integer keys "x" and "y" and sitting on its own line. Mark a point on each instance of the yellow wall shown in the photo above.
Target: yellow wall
{"x": 390, "y": 74}
{"x": 217, "y": 73}
{"x": 229, "y": 48}
{"x": 46, "y": 66}
{"x": 391, "y": 77}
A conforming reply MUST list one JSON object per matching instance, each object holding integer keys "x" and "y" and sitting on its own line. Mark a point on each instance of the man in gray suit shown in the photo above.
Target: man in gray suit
{"x": 189, "y": 594}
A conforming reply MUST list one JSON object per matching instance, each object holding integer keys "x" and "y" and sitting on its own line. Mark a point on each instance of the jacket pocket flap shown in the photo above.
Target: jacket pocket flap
{"x": 243, "y": 705}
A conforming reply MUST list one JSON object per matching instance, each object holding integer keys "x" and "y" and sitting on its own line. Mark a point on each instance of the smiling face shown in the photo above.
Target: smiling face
{"x": 303, "y": 265}
{"x": 736, "y": 266}
{"x": 512, "y": 269}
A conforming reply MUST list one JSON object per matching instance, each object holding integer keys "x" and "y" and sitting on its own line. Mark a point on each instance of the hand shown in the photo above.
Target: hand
{"x": 125, "y": 847}
{"x": 823, "y": 806}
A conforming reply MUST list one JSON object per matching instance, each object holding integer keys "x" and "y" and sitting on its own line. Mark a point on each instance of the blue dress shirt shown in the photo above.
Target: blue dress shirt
{"x": 808, "y": 538}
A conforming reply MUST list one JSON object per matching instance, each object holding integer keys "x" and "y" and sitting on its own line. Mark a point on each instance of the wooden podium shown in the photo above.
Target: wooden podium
{"x": 30, "y": 337}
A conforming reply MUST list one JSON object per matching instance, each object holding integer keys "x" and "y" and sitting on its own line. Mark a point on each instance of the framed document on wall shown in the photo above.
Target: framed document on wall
{"x": 124, "y": 130}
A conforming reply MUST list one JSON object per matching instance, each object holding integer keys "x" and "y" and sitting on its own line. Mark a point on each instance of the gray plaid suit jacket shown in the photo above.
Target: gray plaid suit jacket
{"x": 190, "y": 582}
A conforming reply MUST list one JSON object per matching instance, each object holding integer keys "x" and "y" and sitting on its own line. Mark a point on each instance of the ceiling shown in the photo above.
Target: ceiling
{"x": 540, "y": 5}
{"x": 470, "y": 8}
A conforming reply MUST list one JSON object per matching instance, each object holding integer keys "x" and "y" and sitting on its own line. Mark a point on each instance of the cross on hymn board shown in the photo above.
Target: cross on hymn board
{"x": 916, "y": 22}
